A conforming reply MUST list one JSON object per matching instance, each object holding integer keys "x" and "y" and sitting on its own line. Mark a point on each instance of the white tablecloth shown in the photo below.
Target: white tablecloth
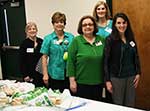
{"x": 77, "y": 104}
{"x": 74, "y": 104}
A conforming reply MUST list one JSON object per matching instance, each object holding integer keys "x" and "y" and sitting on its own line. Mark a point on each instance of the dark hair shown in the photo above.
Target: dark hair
{"x": 58, "y": 16}
{"x": 128, "y": 33}
{"x": 80, "y": 24}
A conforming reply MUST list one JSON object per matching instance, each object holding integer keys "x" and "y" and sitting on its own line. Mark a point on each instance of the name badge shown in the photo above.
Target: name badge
{"x": 30, "y": 50}
{"x": 98, "y": 43}
{"x": 132, "y": 43}
{"x": 107, "y": 29}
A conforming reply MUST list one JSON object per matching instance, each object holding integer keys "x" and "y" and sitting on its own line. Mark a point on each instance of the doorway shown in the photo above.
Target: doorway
{"x": 12, "y": 24}
{"x": 138, "y": 13}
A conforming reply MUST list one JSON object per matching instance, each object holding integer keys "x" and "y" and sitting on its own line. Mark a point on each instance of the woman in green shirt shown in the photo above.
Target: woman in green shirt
{"x": 85, "y": 61}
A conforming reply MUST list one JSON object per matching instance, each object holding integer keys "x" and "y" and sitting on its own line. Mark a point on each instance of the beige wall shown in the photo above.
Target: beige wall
{"x": 41, "y": 11}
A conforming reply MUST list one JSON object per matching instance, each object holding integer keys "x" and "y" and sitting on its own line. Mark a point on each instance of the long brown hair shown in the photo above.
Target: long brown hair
{"x": 128, "y": 33}
{"x": 108, "y": 15}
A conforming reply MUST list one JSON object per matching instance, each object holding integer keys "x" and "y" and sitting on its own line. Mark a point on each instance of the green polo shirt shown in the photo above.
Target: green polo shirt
{"x": 85, "y": 61}
{"x": 55, "y": 51}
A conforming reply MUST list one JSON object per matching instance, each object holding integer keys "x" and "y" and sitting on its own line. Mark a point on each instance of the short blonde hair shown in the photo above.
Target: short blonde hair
{"x": 108, "y": 15}
{"x": 30, "y": 24}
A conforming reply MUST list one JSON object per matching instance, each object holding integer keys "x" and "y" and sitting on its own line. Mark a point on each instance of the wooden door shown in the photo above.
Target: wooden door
{"x": 138, "y": 12}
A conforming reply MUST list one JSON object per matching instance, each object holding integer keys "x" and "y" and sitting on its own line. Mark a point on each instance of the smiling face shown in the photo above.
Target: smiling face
{"x": 87, "y": 26}
{"x": 58, "y": 21}
{"x": 59, "y": 25}
{"x": 31, "y": 31}
{"x": 101, "y": 11}
{"x": 121, "y": 25}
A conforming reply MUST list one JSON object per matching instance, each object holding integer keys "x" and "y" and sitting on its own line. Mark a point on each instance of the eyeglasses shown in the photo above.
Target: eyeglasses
{"x": 89, "y": 24}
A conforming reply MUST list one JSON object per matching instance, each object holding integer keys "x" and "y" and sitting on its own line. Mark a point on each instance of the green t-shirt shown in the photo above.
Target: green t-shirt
{"x": 85, "y": 60}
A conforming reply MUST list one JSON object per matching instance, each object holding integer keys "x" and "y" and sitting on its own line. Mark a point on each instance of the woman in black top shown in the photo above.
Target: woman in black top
{"x": 30, "y": 55}
{"x": 121, "y": 62}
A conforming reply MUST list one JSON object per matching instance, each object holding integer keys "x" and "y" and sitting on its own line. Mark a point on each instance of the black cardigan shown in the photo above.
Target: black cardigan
{"x": 113, "y": 56}
{"x": 29, "y": 58}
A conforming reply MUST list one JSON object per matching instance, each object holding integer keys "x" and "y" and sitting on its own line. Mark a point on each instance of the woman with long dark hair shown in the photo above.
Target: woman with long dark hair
{"x": 121, "y": 62}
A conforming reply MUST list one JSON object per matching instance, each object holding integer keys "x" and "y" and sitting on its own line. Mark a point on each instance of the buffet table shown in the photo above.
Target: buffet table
{"x": 41, "y": 99}
{"x": 99, "y": 106}
{"x": 77, "y": 104}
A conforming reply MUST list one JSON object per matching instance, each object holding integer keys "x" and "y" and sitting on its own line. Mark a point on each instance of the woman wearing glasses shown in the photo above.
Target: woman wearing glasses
{"x": 84, "y": 65}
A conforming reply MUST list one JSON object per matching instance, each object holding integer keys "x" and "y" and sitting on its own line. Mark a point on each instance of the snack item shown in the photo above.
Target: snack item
{"x": 4, "y": 100}
{"x": 8, "y": 90}
{"x": 55, "y": 100}
{"x": 54, "y": 96}
{"x": 17, "y": 101}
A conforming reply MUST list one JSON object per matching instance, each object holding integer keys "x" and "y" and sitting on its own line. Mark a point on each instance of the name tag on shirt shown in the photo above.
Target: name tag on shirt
{"x": 107, "y": 29}
{"x": 98, "y": 43}
{"x": 132, "y": 43}
{"x": 30, "y": 50}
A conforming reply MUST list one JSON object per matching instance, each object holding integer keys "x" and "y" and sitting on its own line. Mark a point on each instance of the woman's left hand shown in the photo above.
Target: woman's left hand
{"x": 136, "y": 80}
